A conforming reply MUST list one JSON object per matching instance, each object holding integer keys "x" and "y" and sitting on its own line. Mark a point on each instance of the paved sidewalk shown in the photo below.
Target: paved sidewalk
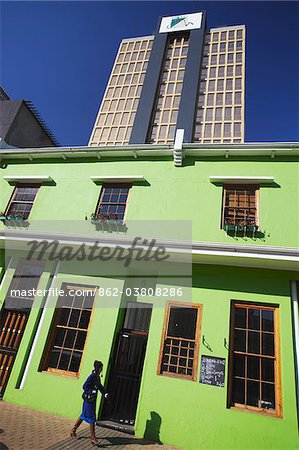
{"x": 26, "y": 429}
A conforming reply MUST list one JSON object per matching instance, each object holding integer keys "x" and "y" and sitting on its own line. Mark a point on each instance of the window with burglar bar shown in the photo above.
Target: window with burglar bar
{"x": 254, "y": 368}
{"x": 113, "y": 202}
{"x": 180, "y": 341}
{"x": 69, "y": 329}
{"x": 240, "y": 206}
{"x": 22, "y": 201}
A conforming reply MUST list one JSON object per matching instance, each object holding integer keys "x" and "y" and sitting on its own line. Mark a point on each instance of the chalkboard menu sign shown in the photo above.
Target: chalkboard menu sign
{"x": 212, "y": 370}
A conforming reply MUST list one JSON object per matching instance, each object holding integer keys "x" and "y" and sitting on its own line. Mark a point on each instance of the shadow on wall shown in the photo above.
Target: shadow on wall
{"x": 152, "y": 428}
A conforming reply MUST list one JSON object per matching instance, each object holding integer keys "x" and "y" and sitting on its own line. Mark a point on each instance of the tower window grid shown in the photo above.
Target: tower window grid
{"x": 119, "y": 105}
{"x": 163, "y": 126}
{"x": 220, "y": 110}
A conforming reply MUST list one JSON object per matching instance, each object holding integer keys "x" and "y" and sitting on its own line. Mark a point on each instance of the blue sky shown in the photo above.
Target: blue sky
{"x": 59, "y": 55}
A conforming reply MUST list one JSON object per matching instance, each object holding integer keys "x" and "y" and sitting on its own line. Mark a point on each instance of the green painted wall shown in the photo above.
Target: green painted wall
{"x": 172, "y": 194}
{"x": 195, "y": 415}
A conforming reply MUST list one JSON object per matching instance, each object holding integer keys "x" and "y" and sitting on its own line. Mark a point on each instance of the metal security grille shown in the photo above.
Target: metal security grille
{"x": 178, "y": 356}
{"x": 12, "y": 327}
{"x": 126, "y": 371}
{"x": 125, "y": 378}
{"x": 240, "y": 206}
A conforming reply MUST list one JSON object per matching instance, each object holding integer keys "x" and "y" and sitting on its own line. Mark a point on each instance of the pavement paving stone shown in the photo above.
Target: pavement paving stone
{"x": 23, "y": 428}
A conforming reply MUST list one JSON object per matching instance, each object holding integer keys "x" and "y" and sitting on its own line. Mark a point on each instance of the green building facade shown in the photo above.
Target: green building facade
{"x": 217, "y": 369}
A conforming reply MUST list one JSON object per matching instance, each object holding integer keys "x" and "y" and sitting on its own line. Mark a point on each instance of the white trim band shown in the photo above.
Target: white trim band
{"x": 28, "y": 178}
{"x": 117, "y": 178}
{"x": 241, "y": 180}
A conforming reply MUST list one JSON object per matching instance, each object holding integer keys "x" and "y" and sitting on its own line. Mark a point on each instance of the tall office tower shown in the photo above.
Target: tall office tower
{"x": 184, "y": 77}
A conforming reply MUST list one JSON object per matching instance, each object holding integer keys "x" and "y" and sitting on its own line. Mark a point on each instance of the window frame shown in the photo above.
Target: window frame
{"x": 277, "y": 412}
{"x": 236, "y": 186}
{"x": 117, "y": 186}
{"x": 48, "y": 347}
{"x": 13, "y": 195}
{"x": 196, "y": 340}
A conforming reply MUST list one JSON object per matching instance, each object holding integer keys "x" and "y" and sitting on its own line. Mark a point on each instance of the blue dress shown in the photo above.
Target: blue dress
{"x": 93, "y": 382}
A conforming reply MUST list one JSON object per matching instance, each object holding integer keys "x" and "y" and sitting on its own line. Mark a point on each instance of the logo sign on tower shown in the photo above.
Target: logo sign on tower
{"x": 181, "y": 23}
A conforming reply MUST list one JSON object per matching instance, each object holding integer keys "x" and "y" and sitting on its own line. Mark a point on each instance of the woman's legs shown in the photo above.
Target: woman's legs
{"x": 75, "y": 426}
{"x": 93, "y": 438}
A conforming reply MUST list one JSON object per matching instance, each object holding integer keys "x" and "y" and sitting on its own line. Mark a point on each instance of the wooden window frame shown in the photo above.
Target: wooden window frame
{"x": 256, "y": 187}
{"x": 169, "y": 305}
{"x": 117, "y": 186}
{"x": 12, "y": 198}
{"x": 277, "y": 412}
{"x": 52, "y": 334}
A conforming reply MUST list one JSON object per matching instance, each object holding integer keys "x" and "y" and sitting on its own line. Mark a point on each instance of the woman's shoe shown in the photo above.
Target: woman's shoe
{"x": 73, "y": 433}
{"x": 75, "y": 426}
{"x": 94, "y": 440}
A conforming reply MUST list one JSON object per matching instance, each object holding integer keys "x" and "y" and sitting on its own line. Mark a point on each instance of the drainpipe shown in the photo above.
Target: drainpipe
{"x": 294, "y": 300}
{"x": 40, "y": 325}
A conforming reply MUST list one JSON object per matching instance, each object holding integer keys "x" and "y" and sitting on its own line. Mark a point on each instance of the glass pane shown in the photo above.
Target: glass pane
{"x": 182, "y": 322}
{"x": 267, "y": 369}
{"x": 74, "y": 317}
{"x": 20, "y": 208}
{"x": 64, "y": 360}
{"x": 64, "y": 316}
{"x": 268, "y": 396}
{"x": 253, "y": 342}
{"x": 239, "y": 366}
{"x": 240, "y": 317}
{"x": 26, "y": 194}
{"x": 253, "y": 367}
{"x": 253, "y": 393}
{"x": 59, "y": 338}
{"x": 54, "y": 358}
{"x": 253, "y": 314}
{"x": 268, "y": 344}
{"x": 75, "y": 361}
{"x": 267, "y": 320}
{"x": 80, "y": 341}
{"x": 78, "y": 301}
{"x": 70, "y": 339}
{"x": 84, "y": 319}
{"x": 240, "y": 341}
{"x": 238, "y": 395}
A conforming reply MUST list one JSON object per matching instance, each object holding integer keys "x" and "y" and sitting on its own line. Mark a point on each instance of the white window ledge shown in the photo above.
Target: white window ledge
{"x": 118, "y": 178}
{"x": 241, "y": 180}
{"x": 39, "y": 179}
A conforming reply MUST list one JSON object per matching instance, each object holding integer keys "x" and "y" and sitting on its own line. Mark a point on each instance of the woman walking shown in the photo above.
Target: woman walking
{"x": 91, "y": 387}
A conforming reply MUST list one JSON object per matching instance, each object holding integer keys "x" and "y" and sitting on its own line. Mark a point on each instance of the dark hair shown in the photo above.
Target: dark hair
{"x": 98, "y": 365}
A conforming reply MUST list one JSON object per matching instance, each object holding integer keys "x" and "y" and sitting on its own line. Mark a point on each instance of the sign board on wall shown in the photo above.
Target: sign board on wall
{"x": 212, "y": 370}
{"x": 181, "y": 23}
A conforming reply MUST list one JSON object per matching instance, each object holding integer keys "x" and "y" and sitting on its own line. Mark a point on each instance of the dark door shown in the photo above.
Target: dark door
{"x": 11, "y": 329}
{"x": 127, "y": 366}
{"x": 14, "y": 314}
